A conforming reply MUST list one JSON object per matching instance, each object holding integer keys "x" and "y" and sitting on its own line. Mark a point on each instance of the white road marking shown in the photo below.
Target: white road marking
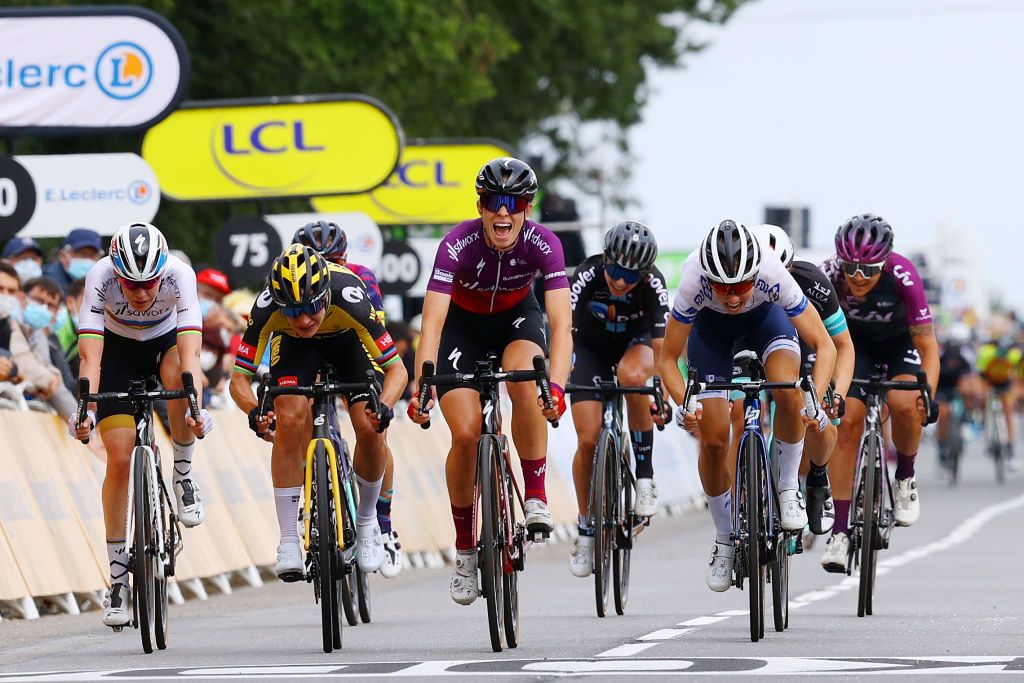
{"x": 704, "y": 621}
{"x": 666, "y": 634}
{"x": 627, "y": 650}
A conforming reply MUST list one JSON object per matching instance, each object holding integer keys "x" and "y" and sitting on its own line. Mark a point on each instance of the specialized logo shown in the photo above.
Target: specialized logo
{"x": 518, "y": 321}
{"x": 480, "y": 267}
{"x": 454, "y": 357}
{"x": 140, "y": 245}
{"x": 353, "y": 295}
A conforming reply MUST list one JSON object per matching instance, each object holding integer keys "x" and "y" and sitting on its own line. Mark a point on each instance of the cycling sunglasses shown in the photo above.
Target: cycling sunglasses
{"x": 739, "y": 289}
{"x": 143, "y": 284}
{"x": 616, "y": 272}
{"x": 494, "y": 202}
{"x": 866, "y": 270}
{"x": 308, "y": 309}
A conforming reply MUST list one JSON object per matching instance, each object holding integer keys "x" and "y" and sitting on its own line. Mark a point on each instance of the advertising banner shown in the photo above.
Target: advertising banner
{"x": 88, "y": 69}
{"x": 434, "y": 183}
{"x": 46, "y": 196}
{"x": 280, "y": 147}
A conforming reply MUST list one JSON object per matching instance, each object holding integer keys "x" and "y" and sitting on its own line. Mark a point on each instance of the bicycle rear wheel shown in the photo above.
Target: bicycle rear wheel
{"x": 869, "y": 528}
{"x": 602, "y": 508}
{"x": 362, "y": 583}
{"x": 624, "y": 544}
{"x": 780, "y": 585}
{"x": 142, "y": 565}
{"x": 327, "y": 552}
{"x": 754, "y": 478}
{"x": 490, "y": 543}
{"x": 162, "y": 572}
{"x": 510, "y": 576}
{"x": 349, "y": 599}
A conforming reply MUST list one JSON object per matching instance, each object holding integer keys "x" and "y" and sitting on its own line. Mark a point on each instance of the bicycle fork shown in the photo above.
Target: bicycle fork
{"x": 335, "y": 489}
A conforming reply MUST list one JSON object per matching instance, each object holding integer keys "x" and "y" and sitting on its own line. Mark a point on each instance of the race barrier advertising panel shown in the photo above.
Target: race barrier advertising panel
{"x": 88, "y": 69}
{"x": 279, "y": 147}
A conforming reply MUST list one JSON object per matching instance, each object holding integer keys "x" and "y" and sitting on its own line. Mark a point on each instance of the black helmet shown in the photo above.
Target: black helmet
{"x": 299, "y": 277}
{"x": 630, "y": 245}
{"x": 323, "y": 236}
{"x": 730, "y": 253}
{"x": 507, "y": 175}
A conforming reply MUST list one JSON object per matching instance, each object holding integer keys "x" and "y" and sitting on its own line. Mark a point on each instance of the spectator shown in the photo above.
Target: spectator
{"x": 67, "y": 326}
{"x": 40, "y": 379}
{"x": 81, "y": 249}
{"x": 25, "y": 254}
{"x": 213, "y": 287}
{"x": 42, "y": 305}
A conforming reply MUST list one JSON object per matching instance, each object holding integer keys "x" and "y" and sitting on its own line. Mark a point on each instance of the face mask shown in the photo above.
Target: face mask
{"x": 205, "y": 305}
{"x": 10, "y": 307}
{"x": 37, "y": 316}
{"x": 28, "y": 269}
{"x": 207, "y": 360}
{"x": 80, "y": 267}
{"x": 62, "y": 318}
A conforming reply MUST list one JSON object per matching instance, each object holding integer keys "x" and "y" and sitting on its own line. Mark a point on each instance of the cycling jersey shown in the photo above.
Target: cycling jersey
{"x": 349, "y": 309}
{"x": 998, "y": 364}
{"x": 483, "y": 280}
{"x": 895, "y": 304}
{"x": 821, "y": 294}
{"x": 370, "y": 280}
{"x": 175, "y": 308}
{"x": 597, "y": 313}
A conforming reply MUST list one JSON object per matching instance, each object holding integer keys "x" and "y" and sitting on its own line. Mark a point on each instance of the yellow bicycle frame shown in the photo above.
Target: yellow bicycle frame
{"x": 332, "y": 458}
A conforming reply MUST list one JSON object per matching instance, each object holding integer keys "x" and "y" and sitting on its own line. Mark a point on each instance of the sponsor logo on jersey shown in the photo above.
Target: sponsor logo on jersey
{"x": 480, "y": 266}
{"x": 533, "y": 236}
{"x": 454, "y": 248}
{"x": 245, "y": 350}
{"x": 288, "y": 381}
{"x": 923, "y": 313}
{"x": 264, "y": 299}
{"x": 903, "y": 275}
{"x": 552, "y": 276}
{"x": 353, "y": 295}
{"x": 819, "y": 292}
{"x": 771, "y": 293}
{"x": 443, "y": 275}
{"x": 385, "y": 342}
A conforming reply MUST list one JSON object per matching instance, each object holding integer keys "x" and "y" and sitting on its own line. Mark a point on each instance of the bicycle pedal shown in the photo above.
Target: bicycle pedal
{"x": 117, "y": 629}
{"x": 541, "y": 536}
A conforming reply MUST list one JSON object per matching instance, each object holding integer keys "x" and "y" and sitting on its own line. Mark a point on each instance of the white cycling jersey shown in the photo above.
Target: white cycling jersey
{"x": 774, "y": 285}
{"x": 176, "y": 307}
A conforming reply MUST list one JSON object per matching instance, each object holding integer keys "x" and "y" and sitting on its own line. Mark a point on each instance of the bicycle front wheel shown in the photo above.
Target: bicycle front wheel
{"x": 624, "y": 544}
{"x": 161, "y": 569}
{"x": 869, "y": 529}
{"x": 754, "y": 477}
{"x": 143, "y": 576}
{"x": 327, "y": 552}
{"x": 510, "y": 576}
{"x": 490, "y": 538}
{"x": 602, "y": 509}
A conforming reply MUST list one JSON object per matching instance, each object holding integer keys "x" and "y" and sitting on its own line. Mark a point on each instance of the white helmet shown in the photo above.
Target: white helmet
{"x": 138, "y": 252}
{"x": 730, "y": 253}
{"x": 778, "y": 240}
{"x": 960, "y": 333}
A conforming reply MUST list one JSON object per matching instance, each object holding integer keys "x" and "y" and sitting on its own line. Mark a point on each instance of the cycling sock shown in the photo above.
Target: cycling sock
{"x": 789, "y": 464}
{"x": 905, "y": 465}
{"x": 117, "y": 555}
{"x": 842, "y": 523}
{"x": 818, "y": 476}
{"x": 533, "y": 478}
{"x": 182, "y": 459}
{"x": 463, "y": 518}
{"x": 286, "y": 500}
{"x": 369, "y": 491}
{"x": 643, "y": 450}
{"x": 583, "y": 525}
{"x": 721, "y": 513}
{"x": 384, "y": 510}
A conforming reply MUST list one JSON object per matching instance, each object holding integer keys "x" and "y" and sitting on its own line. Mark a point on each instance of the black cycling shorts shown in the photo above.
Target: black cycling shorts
{"x": 468, "y": 337}
{"x": 596, "y": 361}
{"x": 295, "y": 361}
{"x": 127, "y": 359}
{"x": 899, "y": 354}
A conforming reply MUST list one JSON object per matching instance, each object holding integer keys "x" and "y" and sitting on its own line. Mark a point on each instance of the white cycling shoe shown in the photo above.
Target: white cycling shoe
{"x": 117, "y": 605}
{"x": 719, "y": 573}
{"x": 369, "y": 547}
{"x": 189, "y": 503}
{"x": 392, "y": 565}
{"x": 646, "y": 498}
{"x": 289, "y": 567}
{"x": 837, "y": 551}
{"x": 538, "y": 517}
{"x": 792, "y": 510}
{"x": 581, "y": 556}
{"x": 465, "y": 585}
{"x": 908, "y": 507}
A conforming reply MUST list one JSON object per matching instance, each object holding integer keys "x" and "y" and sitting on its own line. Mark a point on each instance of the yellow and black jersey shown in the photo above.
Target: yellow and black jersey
{"x": 349, "y": 308}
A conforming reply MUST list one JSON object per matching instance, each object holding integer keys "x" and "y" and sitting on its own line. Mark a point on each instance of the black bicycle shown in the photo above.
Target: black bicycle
{"x": 612, "y": 485}
{"x": 329, "y": 500}
{"x": 763, "y": 548}
{"x": 502, "y": 541}
{"x": 151, "y": 527}
{"x": 872, "y": 514}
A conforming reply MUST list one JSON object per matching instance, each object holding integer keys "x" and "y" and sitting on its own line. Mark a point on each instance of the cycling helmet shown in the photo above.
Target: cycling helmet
{"x": 630, "y": 245}
{"x": 507, "y": 175}
{"x": 960, "y": 333}
{"x": 299, "y": 277}
{"x": 324, "y": 237}
{"x": 138, "y": 252}
{"x": 778, "y": 240}
{"x": 866, "y": 238}
{"x": 730, "y": 253}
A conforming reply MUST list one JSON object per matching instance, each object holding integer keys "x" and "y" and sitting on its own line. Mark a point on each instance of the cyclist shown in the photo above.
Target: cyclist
{"x": 139, "y": 317}
{"x": 331, "y": 241}
{"x": 731, "y": 289}
{"x": 479, "y": 300}
{"x": 620, "y": 309}
{"x": 311, "y": 304}
{"x": 957, "y": 378}
{"x": 890, "y": 322}
{"x": 999, "y": 364}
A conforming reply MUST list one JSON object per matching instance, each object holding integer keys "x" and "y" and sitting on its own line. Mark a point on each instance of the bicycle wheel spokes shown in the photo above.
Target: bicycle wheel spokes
{"x": 602, "y": 510}
{"x": 491, "y": 533}
{"x": 142, "y": 565}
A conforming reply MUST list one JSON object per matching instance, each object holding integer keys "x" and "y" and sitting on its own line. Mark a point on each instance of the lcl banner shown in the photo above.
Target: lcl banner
{"x": 282, "y": 147}
{"x": 46, "y": 196}
{"x": 88, "y": 69}
{"x": 433, "y": 184}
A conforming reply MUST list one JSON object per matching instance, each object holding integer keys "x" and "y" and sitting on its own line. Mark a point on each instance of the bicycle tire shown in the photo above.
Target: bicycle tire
{"x": 349, "y": 600}
{"x": 142, "y": 567}
{"x": 510, "y": 577}
{"x": 755, "y": 570}
{"x": 602, "y": 509}
{"x": 326, "y": 555}
{"x": 363, "y": 594}
{"x": 623, "y": 552}
{"x": 869, "y": 528}
{"x": 160, "y": 577}
{"x": 1000, "y": 463}
{"x": 489, "y": 543}
{"x": 780, "y": 585}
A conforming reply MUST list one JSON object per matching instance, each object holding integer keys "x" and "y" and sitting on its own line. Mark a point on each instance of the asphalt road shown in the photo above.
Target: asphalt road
{"x": 950, "y": 600}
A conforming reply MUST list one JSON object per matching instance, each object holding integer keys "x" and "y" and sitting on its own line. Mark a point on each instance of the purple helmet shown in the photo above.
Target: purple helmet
{"x": 866, "y": 238}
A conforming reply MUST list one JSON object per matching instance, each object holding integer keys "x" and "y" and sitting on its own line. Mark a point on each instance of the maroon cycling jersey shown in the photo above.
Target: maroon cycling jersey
{"x": 482, "y": 280}
{"x": 894, "y": 305}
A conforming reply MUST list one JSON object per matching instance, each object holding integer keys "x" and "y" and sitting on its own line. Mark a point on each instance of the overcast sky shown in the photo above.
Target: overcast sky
{"x": 912, "y": 109}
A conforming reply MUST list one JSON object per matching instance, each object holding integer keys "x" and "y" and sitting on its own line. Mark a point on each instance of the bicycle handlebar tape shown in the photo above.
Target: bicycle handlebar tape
{"x": 261, "y": 394}
{"x": 425, "y": 376}
{"x": 189, "y": 385}
{"x": 659, "y": 401}
{"x": 545, "y": 386}
{"x": 83, "y": 401}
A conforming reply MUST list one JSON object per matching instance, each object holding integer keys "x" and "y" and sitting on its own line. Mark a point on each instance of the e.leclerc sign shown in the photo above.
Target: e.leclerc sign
{"x": 434, "y": 183}
{"x": 88, "y": 69}
{"x": 282, "y": 147}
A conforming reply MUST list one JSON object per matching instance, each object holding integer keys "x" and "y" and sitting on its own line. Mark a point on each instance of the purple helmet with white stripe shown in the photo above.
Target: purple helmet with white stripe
{"x": 866, "y": 238}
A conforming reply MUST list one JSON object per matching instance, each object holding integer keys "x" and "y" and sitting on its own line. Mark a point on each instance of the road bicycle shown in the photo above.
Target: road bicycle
{"x": 500, "y": 539}
{"x": 612, "y": 485}
{"x": 328, "y": 513}
{"x": 951, "y": 446}
{"x": 997, "y": 436}
{"x": 151, "y": 527}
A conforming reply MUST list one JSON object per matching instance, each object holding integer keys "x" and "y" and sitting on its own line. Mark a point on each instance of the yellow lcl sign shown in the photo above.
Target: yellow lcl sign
{"x": 339, "y": 144}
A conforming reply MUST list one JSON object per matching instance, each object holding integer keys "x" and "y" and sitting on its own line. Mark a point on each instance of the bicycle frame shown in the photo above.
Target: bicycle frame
{"x": 146, "y": 453}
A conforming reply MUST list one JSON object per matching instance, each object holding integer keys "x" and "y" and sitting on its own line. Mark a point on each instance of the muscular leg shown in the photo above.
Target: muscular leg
{"x": 635, "y": 368}
{"x": 461, "y": 410}
{"x": 586, "y": 417}
{"x": 529, "y": 428}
